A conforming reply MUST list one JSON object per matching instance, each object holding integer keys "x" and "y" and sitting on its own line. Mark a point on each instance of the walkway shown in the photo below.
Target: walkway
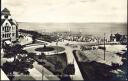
{"x": 36, "y": 74}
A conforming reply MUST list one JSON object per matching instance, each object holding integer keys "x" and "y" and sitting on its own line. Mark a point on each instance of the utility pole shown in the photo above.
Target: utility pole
{"x": 104, "y": 46}
{"x": 74, "y": 67}
{"x": 42, "y": 74}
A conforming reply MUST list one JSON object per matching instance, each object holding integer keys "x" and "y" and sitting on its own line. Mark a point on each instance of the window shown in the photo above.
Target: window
{"x": 7, "y": 28}
{"x": 9, "y": 34}
{"x": 6, "y": 16}
{"x": 13, "y": 27}
{"x": 6, "y": 24}
{"x": 3, "y": 28}
{"x": 3, "y": 36}
{"x": 6, "y": 35}
{"x": 13, "y": 34}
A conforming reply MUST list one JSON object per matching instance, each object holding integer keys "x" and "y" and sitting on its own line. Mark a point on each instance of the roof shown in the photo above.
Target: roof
{"x": 10, "y": 21}
{"x": 5, "y": 11}
{"x": 2, "y": 21}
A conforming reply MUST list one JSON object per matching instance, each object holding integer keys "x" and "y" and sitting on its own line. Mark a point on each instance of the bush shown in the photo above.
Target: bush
{"x": 70, "y": 69}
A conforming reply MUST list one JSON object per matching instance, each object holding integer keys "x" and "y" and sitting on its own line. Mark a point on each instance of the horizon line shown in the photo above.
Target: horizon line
{"x": 75, "y": 22}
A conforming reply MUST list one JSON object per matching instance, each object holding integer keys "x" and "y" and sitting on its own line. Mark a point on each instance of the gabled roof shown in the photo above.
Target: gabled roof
{"x": 3, "y": 21}
{"x": 10, "y": 21}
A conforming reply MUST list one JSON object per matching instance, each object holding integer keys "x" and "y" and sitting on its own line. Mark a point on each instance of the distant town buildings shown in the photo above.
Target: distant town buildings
{"x": 112, "y": 38}
{"x": 118, "y": 38}
{"x": 8, "y": 27}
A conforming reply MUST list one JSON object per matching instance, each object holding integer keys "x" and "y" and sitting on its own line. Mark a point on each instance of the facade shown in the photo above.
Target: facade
{"x": 8, "y": 27}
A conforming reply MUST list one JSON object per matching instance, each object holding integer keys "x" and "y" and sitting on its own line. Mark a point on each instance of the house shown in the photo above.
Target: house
{"x": 8, "y": 27}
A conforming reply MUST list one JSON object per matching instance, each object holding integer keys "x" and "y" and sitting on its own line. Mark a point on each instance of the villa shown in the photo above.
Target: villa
{"x": 8, "y": 27}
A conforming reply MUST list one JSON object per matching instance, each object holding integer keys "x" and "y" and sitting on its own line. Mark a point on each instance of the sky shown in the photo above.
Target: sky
{"x": 65, "y": 11}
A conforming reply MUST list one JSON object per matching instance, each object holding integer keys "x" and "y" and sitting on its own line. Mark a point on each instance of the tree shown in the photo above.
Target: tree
{"x": 16, "y": 48}
{"x": 32, "y": 55}
{"x": 118, "y": 37}
{"x": 70, "y": 69}
{"x": 8, "y": 67}
{"x": 21, "y": 61}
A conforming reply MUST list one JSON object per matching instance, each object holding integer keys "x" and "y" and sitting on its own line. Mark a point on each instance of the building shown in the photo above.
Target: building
{"x": 8, "y": 27}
